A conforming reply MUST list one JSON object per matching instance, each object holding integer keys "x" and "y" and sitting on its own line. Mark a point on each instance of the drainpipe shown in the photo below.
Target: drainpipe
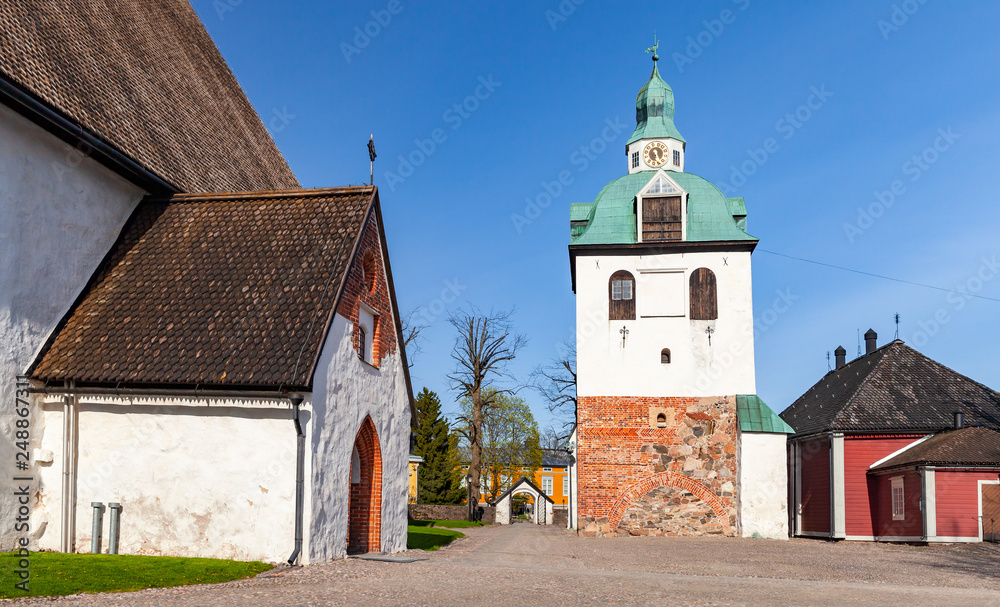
{"x": 300, "y": 440}
{"x": 67, "y": 528}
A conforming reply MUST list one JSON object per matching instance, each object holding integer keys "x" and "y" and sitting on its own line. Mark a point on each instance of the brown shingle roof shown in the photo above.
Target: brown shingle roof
{"x": 965, "y": 447}
{"x": 145, "y": 77}
{"x": 213, "y": 290}
{"x": 894, "y": 388}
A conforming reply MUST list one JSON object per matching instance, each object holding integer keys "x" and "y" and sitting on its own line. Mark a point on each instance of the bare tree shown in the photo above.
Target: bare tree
{"x": 486, "y": 343}
{"x": 555, "y": 381}
{"x": 411, "y": 330}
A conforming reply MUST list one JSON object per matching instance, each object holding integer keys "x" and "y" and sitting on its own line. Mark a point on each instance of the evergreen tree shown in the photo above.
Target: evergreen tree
{"x": 439, "y": 477}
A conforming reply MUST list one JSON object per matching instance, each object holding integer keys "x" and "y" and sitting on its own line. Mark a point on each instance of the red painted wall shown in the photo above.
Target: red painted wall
{"x": 913, "y": 523}
{"x": 859, "y": 454}
{"x": 957, "y": 498}
{"x": 815, "y": 461}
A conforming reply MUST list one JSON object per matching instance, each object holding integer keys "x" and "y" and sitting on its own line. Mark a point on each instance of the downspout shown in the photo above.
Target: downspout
{"x": 300, "y": 440}
{"x": 67, "y": 526}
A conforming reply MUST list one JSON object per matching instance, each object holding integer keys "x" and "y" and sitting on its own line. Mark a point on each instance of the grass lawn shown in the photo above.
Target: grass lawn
{"x": 428, "y": 537}
{"x": 448, "y": 524}
{"x": 54, "y": 573}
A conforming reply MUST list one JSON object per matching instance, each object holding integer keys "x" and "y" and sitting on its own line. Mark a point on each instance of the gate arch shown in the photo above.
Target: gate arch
{"x": 667, "y": 479}
{"x": 364, "y": 529}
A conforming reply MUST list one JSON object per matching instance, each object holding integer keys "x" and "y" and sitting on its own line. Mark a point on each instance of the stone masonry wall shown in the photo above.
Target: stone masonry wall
{"x": 629, "y": 447}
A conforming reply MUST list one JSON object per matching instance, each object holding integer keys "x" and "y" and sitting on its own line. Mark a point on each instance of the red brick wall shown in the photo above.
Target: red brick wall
{"x": 365, "y": 525}
{"x": 377, "y": 298}
{"x": 860, "y": 452}
{"x": 623, "y": 455}
{"x": 815, "y": 492}
{"x": 957, "y": 499}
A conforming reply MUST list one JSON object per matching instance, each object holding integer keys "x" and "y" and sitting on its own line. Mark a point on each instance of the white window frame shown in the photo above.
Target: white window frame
{"x": 548, "y": 486}
{"x": 677, "y": 158}
{"x": 635, "y": 159}
{"x": 898, "y": 495}
{"x": 546, "y": 469}
{"x": 644, "y": 193}
{"x": 566, "y": 485}
{"x": 367, "y": 319}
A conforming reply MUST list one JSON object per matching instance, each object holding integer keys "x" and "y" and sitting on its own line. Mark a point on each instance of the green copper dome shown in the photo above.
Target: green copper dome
{"x": 654, "y": 111}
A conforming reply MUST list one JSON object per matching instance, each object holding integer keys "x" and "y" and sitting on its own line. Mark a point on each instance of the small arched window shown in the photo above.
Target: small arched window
{"x": 665, "y": 356}
{"x": 704, "y": 295}
{"x": 621, "y": 296}
{"x": 661, "y": 420}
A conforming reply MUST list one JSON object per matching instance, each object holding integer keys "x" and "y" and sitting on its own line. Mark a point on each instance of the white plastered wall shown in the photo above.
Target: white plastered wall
{"x": 763, "y": 485}
{"x": 726, "y": 367}
{"x": 345, "y": 392}
{"x": 59, "y": 214}
{"x": 208, "y": 478}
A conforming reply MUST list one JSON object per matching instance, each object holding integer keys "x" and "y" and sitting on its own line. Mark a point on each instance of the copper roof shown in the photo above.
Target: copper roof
{"x": 213, "y": 290}
{"x": 895, "y": 388}
{"x": 965, "y": 447}
{"x": 145, "y": 77}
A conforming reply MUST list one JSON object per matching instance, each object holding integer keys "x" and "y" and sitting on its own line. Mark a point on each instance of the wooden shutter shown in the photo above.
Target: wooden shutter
{"x": 704, "y": 296}
{"x": 621, "y": 309}
{"x": 661, "y": 218}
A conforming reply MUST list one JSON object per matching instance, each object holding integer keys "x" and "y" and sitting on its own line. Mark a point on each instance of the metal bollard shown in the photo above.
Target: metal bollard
{"x": 114, "y": 533}
{"x": 95, "y": 535}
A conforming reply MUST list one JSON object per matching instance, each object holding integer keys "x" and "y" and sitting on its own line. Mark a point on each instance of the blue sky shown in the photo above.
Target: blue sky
{"x": 852, "y": 99}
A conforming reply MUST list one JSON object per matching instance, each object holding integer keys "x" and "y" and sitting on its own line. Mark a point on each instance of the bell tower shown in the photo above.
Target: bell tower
{"x": 656, "y": 143}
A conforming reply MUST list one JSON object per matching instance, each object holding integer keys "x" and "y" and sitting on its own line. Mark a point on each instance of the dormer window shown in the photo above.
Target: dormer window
{"x": 662, "y": 210}
{"x": 621, "y": 296}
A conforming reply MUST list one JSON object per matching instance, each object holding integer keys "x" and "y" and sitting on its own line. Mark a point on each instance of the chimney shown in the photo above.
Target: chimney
{"x": 870, "y": 337}
{"x": 959, "y": 420}
{"x": 841, "y": 354}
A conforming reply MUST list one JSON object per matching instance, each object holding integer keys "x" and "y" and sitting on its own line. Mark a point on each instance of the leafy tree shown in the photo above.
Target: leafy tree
{"x": 439, "y": 477}
{"x": 510, "y": 441}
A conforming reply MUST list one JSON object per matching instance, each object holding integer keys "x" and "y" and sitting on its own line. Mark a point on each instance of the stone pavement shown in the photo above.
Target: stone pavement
{"x": 544, "y": 566}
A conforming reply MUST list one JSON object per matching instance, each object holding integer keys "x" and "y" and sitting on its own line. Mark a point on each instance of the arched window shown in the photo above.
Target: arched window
{"x": 621, "y": 296}
{"x": 661, "y": 420}
{"x": 704, "y": 296}
{"x": 665, "y": 356}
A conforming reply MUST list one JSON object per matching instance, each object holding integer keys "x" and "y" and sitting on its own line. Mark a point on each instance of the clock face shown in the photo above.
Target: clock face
{"x": 655, "y": 154}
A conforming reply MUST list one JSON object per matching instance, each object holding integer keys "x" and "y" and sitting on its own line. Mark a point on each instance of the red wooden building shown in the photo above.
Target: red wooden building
{"x": 853, "y": 429}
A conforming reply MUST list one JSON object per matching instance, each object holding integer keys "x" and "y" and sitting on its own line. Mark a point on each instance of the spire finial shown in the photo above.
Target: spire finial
{"x": 654, "y": 48}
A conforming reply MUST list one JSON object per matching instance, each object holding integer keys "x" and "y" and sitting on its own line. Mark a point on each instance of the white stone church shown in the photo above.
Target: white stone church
{"x": 671, "y": 438}
{"x": 206, "y": 343}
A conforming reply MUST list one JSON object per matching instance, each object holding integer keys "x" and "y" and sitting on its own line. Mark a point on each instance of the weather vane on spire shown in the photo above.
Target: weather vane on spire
{"x": 654, "y": 48}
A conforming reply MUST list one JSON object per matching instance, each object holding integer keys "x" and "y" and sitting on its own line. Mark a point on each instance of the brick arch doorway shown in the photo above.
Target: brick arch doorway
{"x": 364, "y": 531}
{"x": 671, "y": 480}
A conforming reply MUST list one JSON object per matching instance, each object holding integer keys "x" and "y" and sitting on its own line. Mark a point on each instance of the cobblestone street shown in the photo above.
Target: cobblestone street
{"x": 544, "y": 566}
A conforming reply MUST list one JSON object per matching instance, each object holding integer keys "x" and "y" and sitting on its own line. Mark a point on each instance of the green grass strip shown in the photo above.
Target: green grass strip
{"x": 57, "y": 574}
{"x": 429, "y": 538}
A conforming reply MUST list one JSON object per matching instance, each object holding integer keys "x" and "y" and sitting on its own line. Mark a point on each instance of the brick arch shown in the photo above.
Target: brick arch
{"x": 667, "y": 479}
{"x": 364, "y": 532}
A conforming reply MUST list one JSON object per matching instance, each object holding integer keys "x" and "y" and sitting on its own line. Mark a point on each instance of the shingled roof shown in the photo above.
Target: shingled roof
{"x": 222, "y": 290}
{"x": 895, "y": 388}
{"x": 965, "y": 447}
{"x": 145, "y": 77}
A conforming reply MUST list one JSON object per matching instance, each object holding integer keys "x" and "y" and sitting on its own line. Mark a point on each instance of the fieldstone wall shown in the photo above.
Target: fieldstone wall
{"x": 439, "y": 512}
{"x": 630, "y": 447}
